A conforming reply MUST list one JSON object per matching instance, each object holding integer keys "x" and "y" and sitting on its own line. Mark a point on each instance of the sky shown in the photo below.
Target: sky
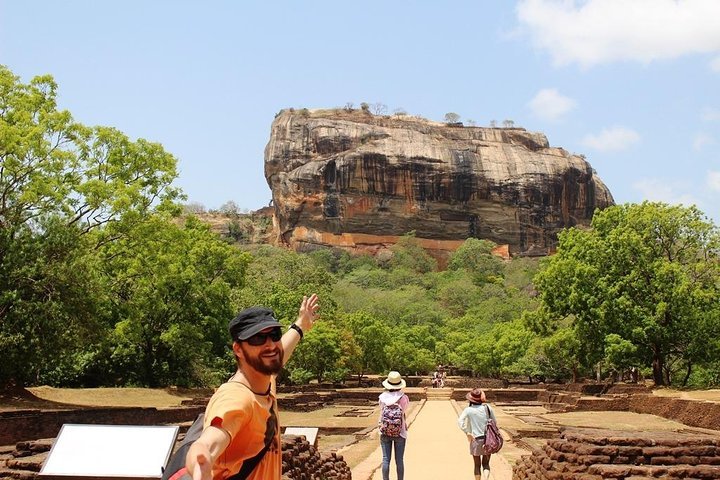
{"x": 634, "y": 85}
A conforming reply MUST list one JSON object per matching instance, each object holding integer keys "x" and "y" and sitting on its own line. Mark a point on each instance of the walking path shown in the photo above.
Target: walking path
{"x": 436, "y": 449}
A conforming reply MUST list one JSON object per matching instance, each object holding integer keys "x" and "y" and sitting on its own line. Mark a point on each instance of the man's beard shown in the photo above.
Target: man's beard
{"x": 265, "y": 365}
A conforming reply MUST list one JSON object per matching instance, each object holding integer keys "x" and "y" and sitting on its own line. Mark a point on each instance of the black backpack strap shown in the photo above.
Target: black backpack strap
{"x": 270, "y": 432}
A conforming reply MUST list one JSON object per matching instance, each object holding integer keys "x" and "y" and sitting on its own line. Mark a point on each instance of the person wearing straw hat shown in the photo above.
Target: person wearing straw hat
{"x": 473, "y": 421}
{"x": 393, "y": 427}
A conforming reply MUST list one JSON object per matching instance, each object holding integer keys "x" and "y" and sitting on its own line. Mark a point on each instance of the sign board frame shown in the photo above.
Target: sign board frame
{"x": 117, "y": 452}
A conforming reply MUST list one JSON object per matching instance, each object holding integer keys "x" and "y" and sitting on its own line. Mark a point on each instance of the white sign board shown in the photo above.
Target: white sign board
{"x": 309, "y": 432}
{"x": 109, "y": 451}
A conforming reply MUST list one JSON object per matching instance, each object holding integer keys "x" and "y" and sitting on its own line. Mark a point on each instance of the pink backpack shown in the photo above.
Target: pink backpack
{"x": 493, "y": 439}
{"x": 391, "y": 419}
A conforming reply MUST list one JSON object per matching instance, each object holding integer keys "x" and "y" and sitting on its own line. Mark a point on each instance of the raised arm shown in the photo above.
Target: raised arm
{"x": 307, "y": 315}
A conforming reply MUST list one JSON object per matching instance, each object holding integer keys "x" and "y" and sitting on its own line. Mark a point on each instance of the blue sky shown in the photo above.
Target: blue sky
{"x": 634, "y": 85}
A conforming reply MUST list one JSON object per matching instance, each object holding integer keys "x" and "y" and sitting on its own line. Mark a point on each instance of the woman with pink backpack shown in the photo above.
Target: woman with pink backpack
{"x": 478, "y": 423}
{"x": 393, "y": 427}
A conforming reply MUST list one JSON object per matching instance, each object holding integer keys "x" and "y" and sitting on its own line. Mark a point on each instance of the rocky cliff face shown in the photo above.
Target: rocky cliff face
{"x": 356, "y": 180}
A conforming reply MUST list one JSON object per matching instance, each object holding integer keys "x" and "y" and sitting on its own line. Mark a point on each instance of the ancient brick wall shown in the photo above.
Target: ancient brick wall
{"x": 501, "y": 395}
{"x": 597, "y": 454}
{"x": 16, "y": 426}
{"x": 690, "y": 412}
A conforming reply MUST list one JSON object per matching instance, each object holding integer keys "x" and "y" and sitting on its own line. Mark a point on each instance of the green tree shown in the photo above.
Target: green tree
{"x": 333, "y": 260}
{"x": 557, "y": 356}
{"x": 54, "y": 298}
{"x": 52, "y": 164}
{"x": 278, "y": 278}
{"x": 59, "y": 181}
{"x": 171, "y": 293}
{"x": 408, "y": 254}
{"x": 519, "y": 273}
{"x": 371, "y": 336}
{"x": 647, "y": 272}
{"x": 497, "y": 351}
{"x": 457, "y": 292}
{"x": 405, "y": 356}
{"x": 320, "y": 352}
{"x": 452, "y": 117}
{"x": 619, "y": 353}
{"x": 475, "y": 256}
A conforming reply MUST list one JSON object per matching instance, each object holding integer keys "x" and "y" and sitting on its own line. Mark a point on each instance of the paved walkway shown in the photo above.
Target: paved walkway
{"x": 436, "y": 449}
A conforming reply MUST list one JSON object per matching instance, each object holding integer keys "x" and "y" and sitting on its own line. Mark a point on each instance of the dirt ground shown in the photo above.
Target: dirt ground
{"x": 712, "y": 395}
{"x": 50, "y": 397}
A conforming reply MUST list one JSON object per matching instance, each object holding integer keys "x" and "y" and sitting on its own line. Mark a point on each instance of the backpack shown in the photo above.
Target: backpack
{"x": 177, "y": 461}
{"x": 493, "y": 439}
{"x": 391, "y": 419}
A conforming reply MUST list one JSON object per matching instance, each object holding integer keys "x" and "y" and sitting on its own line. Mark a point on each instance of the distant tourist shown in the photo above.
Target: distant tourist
{"x": 473, "y": 421}
{"x": 436, "y": 380}
{"x": 393, "y": 425}
{"x": 241, "y": 435}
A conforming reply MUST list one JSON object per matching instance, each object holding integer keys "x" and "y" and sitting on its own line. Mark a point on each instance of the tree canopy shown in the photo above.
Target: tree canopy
{"x": 98, "y": 284}
{"x": 646, "y": 274}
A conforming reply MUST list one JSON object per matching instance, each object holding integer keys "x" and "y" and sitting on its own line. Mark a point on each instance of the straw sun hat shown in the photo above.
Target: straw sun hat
{"x": 394, "y": 381}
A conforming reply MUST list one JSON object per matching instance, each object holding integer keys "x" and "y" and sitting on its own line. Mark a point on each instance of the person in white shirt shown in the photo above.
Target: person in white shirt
{"x": 473, "y": 421}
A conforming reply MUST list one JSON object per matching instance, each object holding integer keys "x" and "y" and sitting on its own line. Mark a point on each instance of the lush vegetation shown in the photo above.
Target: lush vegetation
{"x": 103, "y": 282}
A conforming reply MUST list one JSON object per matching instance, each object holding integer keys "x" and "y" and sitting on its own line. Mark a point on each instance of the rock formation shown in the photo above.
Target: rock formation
{"x": 354, "y": 180}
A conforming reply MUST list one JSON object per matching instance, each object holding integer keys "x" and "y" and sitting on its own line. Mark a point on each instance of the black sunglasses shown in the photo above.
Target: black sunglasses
{"x": 260, "y": 338}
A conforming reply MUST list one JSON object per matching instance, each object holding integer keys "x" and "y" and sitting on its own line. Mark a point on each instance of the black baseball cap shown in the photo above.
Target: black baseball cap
{"x": 251, "y": 321}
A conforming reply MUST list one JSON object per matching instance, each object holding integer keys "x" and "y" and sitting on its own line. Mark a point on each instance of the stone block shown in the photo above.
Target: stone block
{"x": 594, "y": 459}
{"x": 611, "y": 471}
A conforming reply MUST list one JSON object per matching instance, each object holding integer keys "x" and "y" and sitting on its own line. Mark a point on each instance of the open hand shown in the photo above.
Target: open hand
{"x": 308, "y": 313}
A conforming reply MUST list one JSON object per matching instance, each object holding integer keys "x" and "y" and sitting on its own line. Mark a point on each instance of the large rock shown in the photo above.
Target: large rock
{"x": 355, "y": 180}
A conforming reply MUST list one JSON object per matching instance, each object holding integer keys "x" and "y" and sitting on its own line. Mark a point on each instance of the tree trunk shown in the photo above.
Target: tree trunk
{"x": 657, "y": 365}
{"x": 687, "y": 374}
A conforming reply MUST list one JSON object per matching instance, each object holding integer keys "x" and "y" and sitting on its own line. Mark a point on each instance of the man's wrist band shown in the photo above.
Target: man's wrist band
{"x": 297, "y": 329}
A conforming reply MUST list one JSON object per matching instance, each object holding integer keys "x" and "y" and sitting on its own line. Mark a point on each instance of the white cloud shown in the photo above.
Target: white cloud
{"x": 672, "y": 193}
{"x": 715, "y": 64}
{"x": 612, "y": 139}
{"x": 711, "y": 114}
{"x": 549, "y": 104}
{"x": 701, "y": 140}
{"x": 592, "y": 32}
{"x": 713, "y": 181}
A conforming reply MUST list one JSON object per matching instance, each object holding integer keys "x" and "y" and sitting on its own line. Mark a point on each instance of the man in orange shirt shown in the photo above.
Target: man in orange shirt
{"x": 241, "y": 435}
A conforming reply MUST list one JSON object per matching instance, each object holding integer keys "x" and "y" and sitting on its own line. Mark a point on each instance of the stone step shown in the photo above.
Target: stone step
{"x": 444, "y": 394}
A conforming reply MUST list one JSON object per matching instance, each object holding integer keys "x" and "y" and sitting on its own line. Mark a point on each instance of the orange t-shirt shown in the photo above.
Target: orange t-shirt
{"x": 251, "y": 420}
